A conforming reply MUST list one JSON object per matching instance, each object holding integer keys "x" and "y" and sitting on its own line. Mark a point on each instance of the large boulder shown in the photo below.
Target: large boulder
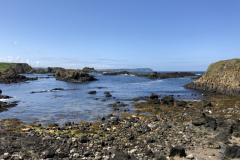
{"x": 75, "y": 76}
{"x": 221, "y": 77}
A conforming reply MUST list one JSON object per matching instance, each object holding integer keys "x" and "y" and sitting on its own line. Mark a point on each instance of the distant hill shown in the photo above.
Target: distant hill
{"x": 129, "y": 70}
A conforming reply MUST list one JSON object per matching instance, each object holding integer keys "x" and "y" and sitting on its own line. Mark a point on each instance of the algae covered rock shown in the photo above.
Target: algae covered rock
{"x": 75, "y": 76}
{"x": 221, "y": 77}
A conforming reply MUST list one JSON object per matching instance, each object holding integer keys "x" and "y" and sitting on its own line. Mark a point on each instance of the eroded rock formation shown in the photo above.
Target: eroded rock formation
{"x": 221, "y": 77}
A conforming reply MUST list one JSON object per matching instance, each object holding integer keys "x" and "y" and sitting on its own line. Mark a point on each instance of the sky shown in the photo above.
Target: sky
{"x": 164, "y": 35}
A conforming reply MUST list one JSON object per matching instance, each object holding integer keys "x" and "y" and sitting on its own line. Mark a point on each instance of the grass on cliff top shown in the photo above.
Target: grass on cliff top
{"x": 215, "y": 66}
{"x": 5, "y": 66}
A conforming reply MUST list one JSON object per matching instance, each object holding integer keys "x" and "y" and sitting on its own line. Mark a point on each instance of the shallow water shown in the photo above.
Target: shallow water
{"x": 75, "y": 104}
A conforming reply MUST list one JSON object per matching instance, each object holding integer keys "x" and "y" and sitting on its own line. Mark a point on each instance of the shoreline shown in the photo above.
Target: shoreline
{"x": 198, "y": 127}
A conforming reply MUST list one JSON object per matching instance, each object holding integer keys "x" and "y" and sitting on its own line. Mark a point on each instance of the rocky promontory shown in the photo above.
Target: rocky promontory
{"x": 75, "y": 76}
{"x": 8, "y": 78}
{"x": 221, "y": 77}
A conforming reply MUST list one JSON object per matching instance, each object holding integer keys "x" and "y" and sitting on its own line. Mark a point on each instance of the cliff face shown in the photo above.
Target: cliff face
{"x": 221, "y": 77}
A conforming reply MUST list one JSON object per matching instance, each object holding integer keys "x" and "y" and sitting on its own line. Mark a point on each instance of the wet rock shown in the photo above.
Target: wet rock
{"x": 107, "y": 94}
{"x": 154, "y": 96}
{"x": 92, "y": 92}
{"x": 181, "y": 103}
{"x": 153, "y": 101}
{"x": 167, "y": 99}
{"x": 232, "y": 152}
{"x": 177, "y": 151}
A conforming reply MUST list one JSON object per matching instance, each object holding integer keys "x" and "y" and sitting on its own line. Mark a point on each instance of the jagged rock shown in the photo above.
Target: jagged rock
{"x": 221, "y": 77}
{"x": 177, "y": 151}
{"x": 232, "y": 152}
{"x": 8, "y": 78}
{"x": 75, "y": 76}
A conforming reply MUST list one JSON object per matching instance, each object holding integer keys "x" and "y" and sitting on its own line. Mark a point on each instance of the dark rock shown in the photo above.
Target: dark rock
{"x": 207, "y": 104}
{"x": 107, "y": 94}
{"x": 181, "y": 103}
{"x": 159, "y": 157}
{"x": 154, "y": 96}
{"x": 232, "y": 152}
{"x": 92, "y": 92}
{"x": 177, "y": 151}
{"x": 128, "y": 125}
{"x": 75, "y": 76}
{"x": 223, "y": 137}
{"x": 110, "y": 138}
{"x": 8, "y": 78}
{"x": 119, "y": 155}
{"x": 68, "y": 124}
{"x": 153, "y": 101}
{"x": 84, "y": 139}
{"x": 198, "y": 121}
{"x": 0, "y": 91}
{"x": 167, "y": 99}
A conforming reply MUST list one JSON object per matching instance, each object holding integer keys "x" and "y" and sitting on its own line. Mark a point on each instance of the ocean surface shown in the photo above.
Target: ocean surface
{"x": 74, "y": 104}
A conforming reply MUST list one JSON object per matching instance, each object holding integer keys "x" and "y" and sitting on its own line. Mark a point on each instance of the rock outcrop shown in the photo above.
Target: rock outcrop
{"x": 8, "y": 78}
{"x": 155, "y": 75}
{"x": 15, "y": 67}
{"x": 221, "y": 77}
{"x": 75, "y": 76}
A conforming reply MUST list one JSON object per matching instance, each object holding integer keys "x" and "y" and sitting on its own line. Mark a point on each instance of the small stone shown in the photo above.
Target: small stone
{"x": 76, "y": 155}
{"x": 190, "y": 156}
{"x": 26, "y": 129}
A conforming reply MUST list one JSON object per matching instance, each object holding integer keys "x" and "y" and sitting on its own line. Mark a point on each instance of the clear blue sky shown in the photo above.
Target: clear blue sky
{"x": 165, "y": 35}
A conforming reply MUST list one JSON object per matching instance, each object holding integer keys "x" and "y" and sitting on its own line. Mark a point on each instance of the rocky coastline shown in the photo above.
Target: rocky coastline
{"x": 207, "y": 129}
{"x": 161, "y": 127}
{"x": 4, "y": 106}
{"x": 154, "y": 75}
{"x": 8, "y": 78}
{"x": 221, "y": 77}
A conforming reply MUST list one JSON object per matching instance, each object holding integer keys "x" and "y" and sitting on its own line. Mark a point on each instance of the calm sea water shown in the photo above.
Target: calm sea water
{"x": 75, "y": 104}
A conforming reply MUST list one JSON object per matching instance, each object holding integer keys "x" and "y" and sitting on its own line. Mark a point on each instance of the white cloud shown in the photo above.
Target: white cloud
{"x": 15, "y": 42}
{"x": 18, "y": 58}
{"x": 37, "y": 62}
{"x": 27, "y": 61}
{"x": 40, "y": 52}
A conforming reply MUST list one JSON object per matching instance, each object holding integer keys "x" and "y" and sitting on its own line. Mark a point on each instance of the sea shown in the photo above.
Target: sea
{"x": 38, "y": 103}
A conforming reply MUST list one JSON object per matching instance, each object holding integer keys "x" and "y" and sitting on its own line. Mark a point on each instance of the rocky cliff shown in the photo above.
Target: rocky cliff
{"x": 73, "y": 76}
{"x": 15, "y": 67}
{"x": 221, "y": 77}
